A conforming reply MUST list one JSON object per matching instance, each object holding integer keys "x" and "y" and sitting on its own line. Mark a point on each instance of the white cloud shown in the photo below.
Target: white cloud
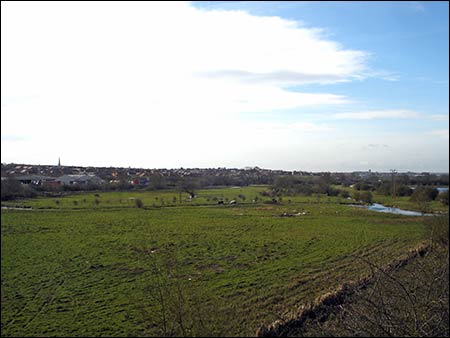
{"x": 111, "y": 76}
{"x": 416, "y": 6}
{"x": 439, "y": 117}
{"x": 165, "y": 85}
{"x": 441, "y": 133}
{"x": 382, "y": 74}
{"x": 379, "y": 114}
{"x": 157, "y": 51}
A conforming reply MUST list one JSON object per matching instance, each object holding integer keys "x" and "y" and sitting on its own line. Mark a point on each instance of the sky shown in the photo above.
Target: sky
{"x": 315, "y": 86}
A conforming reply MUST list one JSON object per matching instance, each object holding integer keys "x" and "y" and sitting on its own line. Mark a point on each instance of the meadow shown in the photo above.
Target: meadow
{"x": 185, "y": 267}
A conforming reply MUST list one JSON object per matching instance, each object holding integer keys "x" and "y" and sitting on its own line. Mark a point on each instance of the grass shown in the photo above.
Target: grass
{"x": 411, "y": 300}
{"x": 126, "y": 199}
{"x": 192, "y": 269}
{"x": 405, "y": 203}
{"x": 402, "y": 202}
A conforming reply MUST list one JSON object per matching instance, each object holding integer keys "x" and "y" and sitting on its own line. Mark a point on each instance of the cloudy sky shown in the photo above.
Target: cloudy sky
{"x": 320, "y": 86}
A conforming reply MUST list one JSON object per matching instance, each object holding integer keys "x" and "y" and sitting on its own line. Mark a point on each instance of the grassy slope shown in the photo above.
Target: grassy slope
{"x": 92, "y": 271}
{"x": 409, "y": 301}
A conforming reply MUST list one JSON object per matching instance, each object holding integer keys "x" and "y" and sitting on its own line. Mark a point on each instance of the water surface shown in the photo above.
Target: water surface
{"x": 382, "y": 208}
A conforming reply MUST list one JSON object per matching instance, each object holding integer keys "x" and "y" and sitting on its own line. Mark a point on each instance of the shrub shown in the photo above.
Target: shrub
{"x": 12, "y": 189}
{"x": 443, "y": 197}
{"x": 138, "y": 202}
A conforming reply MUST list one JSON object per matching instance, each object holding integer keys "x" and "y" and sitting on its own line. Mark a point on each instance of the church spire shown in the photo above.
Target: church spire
{"x": 59, "y": 161}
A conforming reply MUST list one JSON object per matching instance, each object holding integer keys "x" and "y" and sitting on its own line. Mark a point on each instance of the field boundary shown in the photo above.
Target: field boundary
{"x": 320, "y": 307}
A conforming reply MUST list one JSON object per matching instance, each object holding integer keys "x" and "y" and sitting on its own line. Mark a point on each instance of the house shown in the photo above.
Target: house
{"x": 82, "y": 179}
{"x": 142, "y": 181}
{"x": 34, "y": 179}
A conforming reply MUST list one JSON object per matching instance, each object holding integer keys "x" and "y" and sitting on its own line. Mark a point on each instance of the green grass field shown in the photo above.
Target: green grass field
{"x": 161, "y": 198}
{"x": 190, "y": 268}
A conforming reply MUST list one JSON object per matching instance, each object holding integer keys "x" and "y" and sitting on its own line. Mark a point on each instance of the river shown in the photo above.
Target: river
{"x": 381, "y": 208}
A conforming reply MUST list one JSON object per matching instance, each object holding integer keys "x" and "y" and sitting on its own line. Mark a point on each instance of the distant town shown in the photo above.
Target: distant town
{"x": 57, "y": 175}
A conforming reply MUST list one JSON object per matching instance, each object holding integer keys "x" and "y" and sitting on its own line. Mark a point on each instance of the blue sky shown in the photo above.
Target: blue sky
{"x": 408, "y": 41}
{"x": 335, "y": 86}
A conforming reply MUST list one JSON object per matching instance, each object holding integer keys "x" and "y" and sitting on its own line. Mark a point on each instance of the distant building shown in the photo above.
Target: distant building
{"x": 142, "y": 181}
{"x": 83, "y": 179}
{"x": 34, "y": 179}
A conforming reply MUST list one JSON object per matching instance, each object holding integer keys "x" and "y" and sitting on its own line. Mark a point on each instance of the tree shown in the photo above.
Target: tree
{"x": 189, "y": 186}
{"x": 157, "y": 182}
{"x": 365, "y": 196}
{"x": 139, "y": 203}
{"x": 443, "y": 197}
{"x": 344, "y": 193}
{"x": 384, "y": 188}
{"x": 422, "y": 199}
{"x": 12, "y": 189}
{"x": 403, "y": 190}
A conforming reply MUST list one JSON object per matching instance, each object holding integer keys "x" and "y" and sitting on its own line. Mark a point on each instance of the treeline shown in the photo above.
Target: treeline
{"x": 281, "y": 184}
{"x": 403, "y": 186}
{"x": 307, "y": 185}
{"x": 316, "y": 185}
{"x": 419, "y": 188}
{"x": 12, "y": 189}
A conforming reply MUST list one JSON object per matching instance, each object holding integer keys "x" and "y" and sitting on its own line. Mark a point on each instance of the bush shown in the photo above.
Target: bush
{"x": 443, "y": 197}
{"x": 344, "y": 193}
{"x": 138, "y": 202}
{"x": 12, "y": 189}
{"x": 422, "y": 197}
{"x": 332, "y": 191}
{"x": 366, "y": 196}
{"x": 424, "y": 194}
{"x": 439, "y": 230}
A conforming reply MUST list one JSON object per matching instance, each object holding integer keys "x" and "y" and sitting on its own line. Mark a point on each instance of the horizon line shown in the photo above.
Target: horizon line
{"x": 229, "y": 168}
